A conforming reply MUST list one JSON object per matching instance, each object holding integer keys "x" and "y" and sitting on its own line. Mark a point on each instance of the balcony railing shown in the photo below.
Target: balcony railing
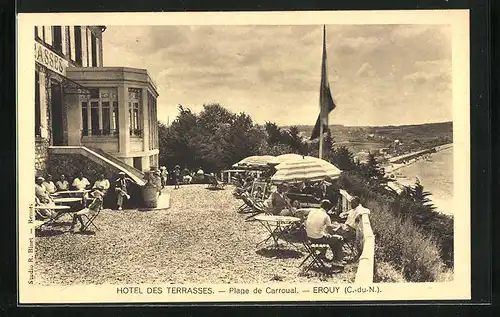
{"x": 100, "y": 132}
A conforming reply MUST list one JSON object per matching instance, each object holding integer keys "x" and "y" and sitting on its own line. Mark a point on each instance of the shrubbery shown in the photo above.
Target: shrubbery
{"x": 408, "y": 235}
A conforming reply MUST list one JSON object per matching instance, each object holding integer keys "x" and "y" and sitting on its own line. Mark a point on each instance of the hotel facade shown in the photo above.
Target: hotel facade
{"x": 79, "y": 103}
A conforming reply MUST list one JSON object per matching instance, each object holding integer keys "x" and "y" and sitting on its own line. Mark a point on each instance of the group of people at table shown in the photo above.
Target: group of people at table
{"x": 327, "y": 224}
{"x": 91, "y": 197}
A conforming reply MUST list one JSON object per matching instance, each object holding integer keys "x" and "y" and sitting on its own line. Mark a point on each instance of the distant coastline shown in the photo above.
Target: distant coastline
{"x": 435, "y": 175}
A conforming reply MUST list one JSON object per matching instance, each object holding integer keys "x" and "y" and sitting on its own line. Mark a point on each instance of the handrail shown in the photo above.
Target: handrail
{"x": 83, "y": 150}
{"x": 366, "y": 264}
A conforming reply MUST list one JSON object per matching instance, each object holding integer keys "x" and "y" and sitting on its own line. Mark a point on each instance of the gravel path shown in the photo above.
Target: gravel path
{"x": 200, "y": 239}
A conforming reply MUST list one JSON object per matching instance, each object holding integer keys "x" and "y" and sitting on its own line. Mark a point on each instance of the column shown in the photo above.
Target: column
{"x": 145, "y": 128}
{"x": 84, "y": 46}
{"x": 145, "y": 119}
{"x": 123, "y": 119}
{"x": 44, "y": 104}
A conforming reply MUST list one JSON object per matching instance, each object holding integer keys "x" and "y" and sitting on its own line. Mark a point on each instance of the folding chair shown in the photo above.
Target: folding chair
{"x": 253, "y": 206}
{"x": 91, "y": 216}
{"x": 315, "y": 257}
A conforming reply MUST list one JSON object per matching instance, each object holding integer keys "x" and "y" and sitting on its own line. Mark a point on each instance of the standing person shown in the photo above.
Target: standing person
{"x": 164, "y": 176}
{"x": 121, "y": 188}
{"x": 62, "y": 184}
{"x": 49, "y": 185}
{"x": 158, "y": 182}
{"x": 80, "y": 182}
{"x": 101, "y": 184}
{"x": 177, "y": 176}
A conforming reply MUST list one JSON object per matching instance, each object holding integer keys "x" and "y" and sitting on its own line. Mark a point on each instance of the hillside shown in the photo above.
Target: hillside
{"x": 387, "y": 134}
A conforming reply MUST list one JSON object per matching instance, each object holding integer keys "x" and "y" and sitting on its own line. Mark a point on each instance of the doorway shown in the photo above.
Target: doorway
{"x": 138, "y": 163}
{"x": 57, "y": 113}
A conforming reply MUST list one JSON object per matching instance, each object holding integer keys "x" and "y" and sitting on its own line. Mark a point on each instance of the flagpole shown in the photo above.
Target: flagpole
{"x": 320, "y": 141}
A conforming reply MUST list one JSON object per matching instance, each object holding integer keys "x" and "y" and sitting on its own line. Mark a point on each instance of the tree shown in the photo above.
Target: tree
{"x": 274, "y": 134}
{"x": 372, "y": 171}
{"x": 343, "y": 159}
{"x": 295, "y": 140}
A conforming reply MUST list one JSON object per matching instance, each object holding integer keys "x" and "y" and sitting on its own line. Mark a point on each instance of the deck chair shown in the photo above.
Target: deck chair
{"x": 90, "y": 218}
{"x": 257, "y": 207}
{"x": 214, "y": 182}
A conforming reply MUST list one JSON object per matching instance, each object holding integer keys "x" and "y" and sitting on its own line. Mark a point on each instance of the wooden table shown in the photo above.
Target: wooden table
{"x": 276, "y": 226}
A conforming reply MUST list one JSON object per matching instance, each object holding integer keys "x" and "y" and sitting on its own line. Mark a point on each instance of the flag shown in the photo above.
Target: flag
{"x": 326, "y": 103}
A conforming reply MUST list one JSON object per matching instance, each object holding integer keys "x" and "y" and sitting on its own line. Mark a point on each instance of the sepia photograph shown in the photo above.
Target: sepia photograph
{"x": 246, "y": 160}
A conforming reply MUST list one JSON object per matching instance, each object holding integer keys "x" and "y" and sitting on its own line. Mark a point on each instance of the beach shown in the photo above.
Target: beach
{"x": 435, "y": 174}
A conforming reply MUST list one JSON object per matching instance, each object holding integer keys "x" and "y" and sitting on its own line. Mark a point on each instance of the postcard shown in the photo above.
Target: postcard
{"x": 243, "y": 157}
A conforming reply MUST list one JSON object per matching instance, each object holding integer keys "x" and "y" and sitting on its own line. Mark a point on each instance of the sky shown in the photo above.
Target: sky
{"x": 378, "y": 74}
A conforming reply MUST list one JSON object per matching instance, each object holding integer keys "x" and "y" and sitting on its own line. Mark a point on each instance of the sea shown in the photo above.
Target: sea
{"x": 435, "y": 175}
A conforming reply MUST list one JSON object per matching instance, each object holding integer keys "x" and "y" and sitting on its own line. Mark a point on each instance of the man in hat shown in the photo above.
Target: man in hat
{"x": 121, "y": 188}
{"x": 177, "y": 176}
{"x": 42, "y": 198}
{"x": 94, "y": 207}
{"x": 278, "y": 202}
{"x": 164, "y": 176}
{"x": 49, "y": 185}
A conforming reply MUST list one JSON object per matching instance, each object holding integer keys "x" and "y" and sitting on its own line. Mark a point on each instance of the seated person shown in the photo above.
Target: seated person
{"x": 49, "y": 185}
{"x": 62, "y": 184}
{"x": 348, "y": 228}
{"x": 320, "y": 231}
{"x": 42, "y": 198}
{"x": 307, "y": 189}
{"x": 101, "y": 184}
{"x": 94, "y": 207}
{"x": 278, "y": 203}
{"x": 80, "y": 182}
{"x": 258, "y": 193}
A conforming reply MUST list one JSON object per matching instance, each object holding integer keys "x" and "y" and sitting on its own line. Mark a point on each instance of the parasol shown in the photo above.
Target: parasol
{"x": 306, "y": 168}
{"x": 258, "y": 161}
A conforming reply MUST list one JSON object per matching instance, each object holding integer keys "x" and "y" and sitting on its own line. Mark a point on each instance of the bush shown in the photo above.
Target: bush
{"x": 403, "y": 245}
{"x": 386, "y": 273}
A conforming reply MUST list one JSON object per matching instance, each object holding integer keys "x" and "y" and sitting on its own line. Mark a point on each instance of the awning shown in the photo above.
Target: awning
{"x": 68, "y": 86}
{"x": 73, "y": 88}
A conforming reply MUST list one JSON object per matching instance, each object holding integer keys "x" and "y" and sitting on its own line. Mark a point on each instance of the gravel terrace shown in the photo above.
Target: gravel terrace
{"x": 200, "y": 239}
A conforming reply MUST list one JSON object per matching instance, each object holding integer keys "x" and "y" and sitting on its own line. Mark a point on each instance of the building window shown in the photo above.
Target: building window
{"x": 134, "y": 107}
{"x": 47, "y": 34}
{"x": 100, "y": 119}
{"x": 153, "y": 126}
{"x": 106, "y": 118}
{"x": 85, "y": 119}
{"x": 93, "y": 44}
{"x": 115, "y": 119}
{"x": 38, "y": 119}
{"x": 94, "y": 118}
{"x": 78, "y": 45}
{"x": 57, "y": 38}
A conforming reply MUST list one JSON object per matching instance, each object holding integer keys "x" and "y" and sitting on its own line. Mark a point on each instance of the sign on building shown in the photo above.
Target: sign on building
{"x": 49, "y": 59}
